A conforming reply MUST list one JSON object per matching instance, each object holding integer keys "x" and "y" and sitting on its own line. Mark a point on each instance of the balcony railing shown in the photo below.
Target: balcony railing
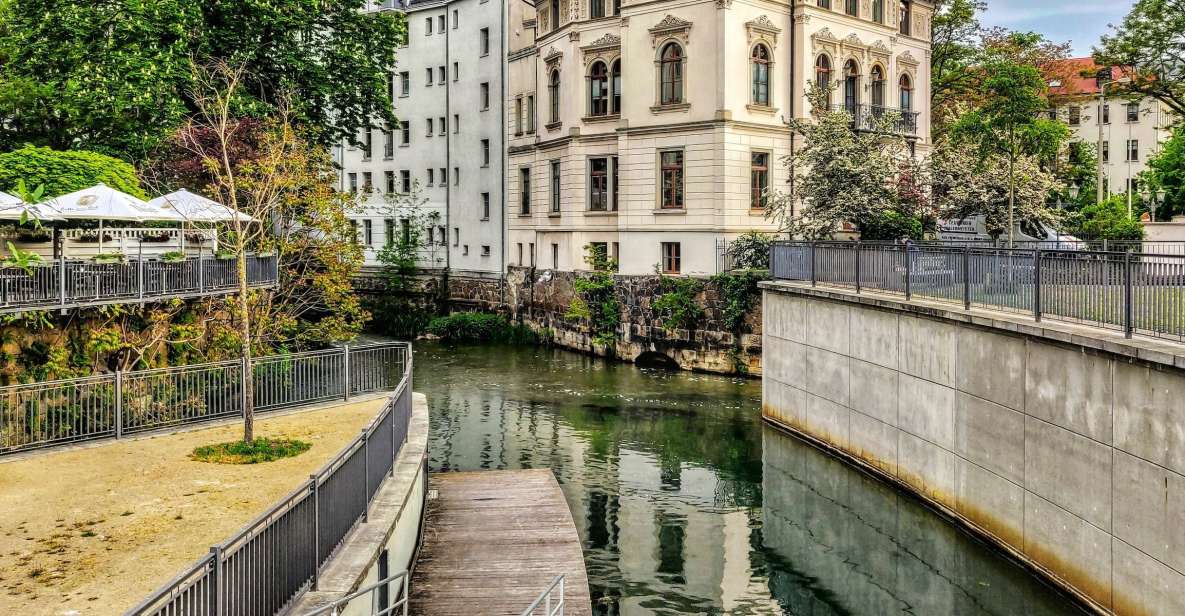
{"x": 868, "y": 118}
{"x": 71, "y": 283}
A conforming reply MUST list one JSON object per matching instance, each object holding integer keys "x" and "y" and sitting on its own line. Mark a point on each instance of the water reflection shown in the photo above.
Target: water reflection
{"x": 687, "y": 504}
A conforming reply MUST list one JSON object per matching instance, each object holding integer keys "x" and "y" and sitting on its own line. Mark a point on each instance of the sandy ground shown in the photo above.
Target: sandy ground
{"x": 94, "y": 531}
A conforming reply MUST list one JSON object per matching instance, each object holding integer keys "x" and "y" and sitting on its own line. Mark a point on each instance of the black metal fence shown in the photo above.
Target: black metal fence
{"x": 1133, "y": 291}
{"x": 66, "y": 283}
{"x": 270, "y": 562}
{"x": 108, "y": 406}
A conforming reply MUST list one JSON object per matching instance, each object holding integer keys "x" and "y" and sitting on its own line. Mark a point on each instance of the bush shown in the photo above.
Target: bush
{"x": 65, "y": 172}
{"x": 891, "y": 226}
{"x": 479, "y": 327}
{"x": 254, "y": 452}
{"x": 1108, "y": 221}
{"x": 751, "y": 250}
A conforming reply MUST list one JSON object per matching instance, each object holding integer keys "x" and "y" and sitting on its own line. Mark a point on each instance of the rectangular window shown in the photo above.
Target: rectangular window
{"x": 906, "y": 17}
{"x": 599, "y": 249}
{"x": 456, "y": 176}
{"x": 427, "y": 26}
{"x": 672, "y": 258}
{"x": 431, "y": 176}
{"x": 354, "y": 232}
{"x": 484, "y": 41}
{"x": 598, "y": 184}
{"x": 518, "y": 116}
{"x": 1133, "y": 150}
{"x": 759, "y": 180}
{"x": 597, "y": 8}
{"x": 367, "y": 182}
{"x": 456, "y": 236}
{"x": 443, "y": 176}
{"x": 404, "y": 83}
{"x": 878, "y": 11}
{"x": 824, "y": 4}
{"x": 465, "y": 250}
{"x": 519, "y": 246}
{"x": 404, "y": 181}
{"x": 391, "y": 86}
{"x": 613, "y": 184}
{"x": 368, "y": 232}
{"x": 485, "y": 250}
{"x": 390, "y": 181}
{"x": 616, "y": 252}
{"x": 440, "y": 23}
{"x": 456, "y": 19}
{"x": 441, "y": 75}
{"x": 428, "y": 76}
{"x": 1106, "y": 151}
{"x": 404, "y": 133}
{"x": 485, "y": 206}
{"x": 851, "y": 7}
{"x": 456, "y": 70}
{"x": 429, "y": 123}
{"x": 368, "y": 144}
{"x": 555, "y": 186}
{"x": 524, "y": 190}
{"x": 485, "y": 152}
{"x": 388, "y": 231}
{"x": 532, "y": 253}
{"x": 485, "y": 95}
{"x": 672, "y": 180}
{"x": 530, "y": 114}
{"x": 1133, "y": 112}
{"x": 405, "y": 231}
{"x": 555, "y": 256}
{"x": 388, "y": 144}
{"x": 1105, "y": 115}
{"x": 443, "y": 125}
{"x": 456, "y": 123}
{"x": 1075, "y": 115}
{"x": 353, "y": 182}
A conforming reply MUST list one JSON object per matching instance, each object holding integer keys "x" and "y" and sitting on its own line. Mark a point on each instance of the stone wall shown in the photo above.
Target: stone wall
{"x": 1064, "y": 445}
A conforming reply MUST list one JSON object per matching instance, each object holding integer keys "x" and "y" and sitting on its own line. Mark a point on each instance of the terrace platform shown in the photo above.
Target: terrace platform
{"x": 94, "y": 528}
{"x": 494, "y": 541}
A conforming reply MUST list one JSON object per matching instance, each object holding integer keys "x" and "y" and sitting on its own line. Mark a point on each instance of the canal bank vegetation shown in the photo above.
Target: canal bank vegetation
{"x": 483, "y": 327}
{"x": 594, "y": 301}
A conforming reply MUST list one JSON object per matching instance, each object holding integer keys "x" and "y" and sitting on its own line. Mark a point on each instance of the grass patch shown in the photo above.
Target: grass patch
{"x": 480, "y": 327}
{"x": 254, "y": 452}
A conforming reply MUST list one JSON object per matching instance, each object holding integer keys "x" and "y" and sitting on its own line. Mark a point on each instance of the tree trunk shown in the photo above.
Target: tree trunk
{"x": 1011, "y": 187}
{"x": 245, "y": 334}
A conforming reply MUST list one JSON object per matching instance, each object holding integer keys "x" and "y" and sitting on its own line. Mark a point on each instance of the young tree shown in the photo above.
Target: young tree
{"x": 1151, "y": 44}
{"x": 1009, "y": 125}
{"x": 840, "y": 174}
{"x": 1166, "y": 172}
{"x": 405, "y": 305}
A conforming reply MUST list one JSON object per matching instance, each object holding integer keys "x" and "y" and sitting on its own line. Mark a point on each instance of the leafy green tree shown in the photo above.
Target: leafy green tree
{"x": 1166, "y": 172}
{"x": 117, "y": 76}
{"x": 1107, "y": 221}
{"x": 1151, "y": 43}
{"x": 955, "y": 48}
{"x": 1009, "y": 124}
{"x": 60, "y": 173}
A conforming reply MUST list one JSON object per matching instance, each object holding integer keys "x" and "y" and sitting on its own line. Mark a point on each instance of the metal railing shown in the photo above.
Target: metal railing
{"x": 867, "y": 118}
{"x": 271, "y": 561}
{"x": 49, "y": 413}
{"x": 68, "y": 283}
{"x": 1136, "y": 292}
{"x": 551, "y": 606}
{"x": 382, "y": 602}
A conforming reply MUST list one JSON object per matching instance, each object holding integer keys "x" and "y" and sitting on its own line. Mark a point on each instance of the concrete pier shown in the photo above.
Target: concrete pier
{"x": 1063, "y": 444}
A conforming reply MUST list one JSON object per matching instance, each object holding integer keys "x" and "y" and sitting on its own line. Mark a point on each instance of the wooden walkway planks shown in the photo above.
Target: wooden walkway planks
{"x": 493, "y": 540}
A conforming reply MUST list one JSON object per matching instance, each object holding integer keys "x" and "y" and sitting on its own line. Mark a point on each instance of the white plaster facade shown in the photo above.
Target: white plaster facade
{"x": 453, "y": 155}
{"x": 1130, "y": 137}
{"x": 717, "y": 125}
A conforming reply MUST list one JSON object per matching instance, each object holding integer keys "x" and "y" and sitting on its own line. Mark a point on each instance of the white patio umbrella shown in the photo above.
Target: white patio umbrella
{"x": 7, "y": 199}
{"x": 103, "y": 203}
{"x": 196, "y": 208}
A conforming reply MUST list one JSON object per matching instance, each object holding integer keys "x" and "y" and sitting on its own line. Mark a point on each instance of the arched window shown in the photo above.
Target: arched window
{"x": 878, "y": 89}
{"x": 906, "y": 94}
{"x": 851, "y": 84}
{"x": 823, "y": 75}
{"x": 761, "y": 75}
{"x": 598, "y": 89}
{"x": 553, "y": 95}
{"x": 615, "y": 85}
{"x": 671, "y": 75}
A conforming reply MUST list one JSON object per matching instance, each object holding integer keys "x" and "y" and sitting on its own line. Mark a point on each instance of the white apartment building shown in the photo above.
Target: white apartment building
{"x": 1132, "y": 130}
{"x": 652, "y": 130}
{"x": 447, "y": 150}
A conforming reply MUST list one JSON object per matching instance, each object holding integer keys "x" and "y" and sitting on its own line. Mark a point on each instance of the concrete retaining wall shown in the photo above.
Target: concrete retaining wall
{"x": 1067, "y": 454}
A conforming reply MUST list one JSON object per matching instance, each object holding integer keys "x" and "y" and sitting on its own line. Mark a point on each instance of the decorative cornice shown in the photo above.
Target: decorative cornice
{"x": 671, "y": 26}
{"x": 553, "y": 57}
{"x": 609, "y": 41}
{"x": 825, "y": 35}
{"x": 762, "y": 29}
{"x": 907, "y": 58}
{"x": 723, "y": 4}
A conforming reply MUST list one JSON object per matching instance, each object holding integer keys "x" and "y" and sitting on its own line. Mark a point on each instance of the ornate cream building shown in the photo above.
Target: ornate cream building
{"x": 655, "y": 129}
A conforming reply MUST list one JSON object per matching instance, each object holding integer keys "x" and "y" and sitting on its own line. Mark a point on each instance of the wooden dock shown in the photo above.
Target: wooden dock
{"x": 493, "y": 541}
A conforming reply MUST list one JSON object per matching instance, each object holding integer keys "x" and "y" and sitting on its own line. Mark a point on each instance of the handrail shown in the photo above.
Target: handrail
{"x": 261, "y": 569}
{"x": 545, "y": 600}
{"x": 375, "y": 591}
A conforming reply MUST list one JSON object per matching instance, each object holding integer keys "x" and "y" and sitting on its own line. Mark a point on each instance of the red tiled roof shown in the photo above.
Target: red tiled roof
{"x": 1077, "y": 76}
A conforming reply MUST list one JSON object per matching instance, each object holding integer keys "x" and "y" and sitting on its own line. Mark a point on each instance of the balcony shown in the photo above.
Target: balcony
{"x": 75, "y": 283}
{"x": 867, "y": 118}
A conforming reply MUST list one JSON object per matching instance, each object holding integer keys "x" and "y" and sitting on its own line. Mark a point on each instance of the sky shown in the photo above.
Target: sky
{"x": 1081, "y": 22}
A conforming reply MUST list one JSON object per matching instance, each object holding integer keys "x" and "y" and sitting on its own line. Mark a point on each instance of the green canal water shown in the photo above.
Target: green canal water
{"x": 688, "y": 504}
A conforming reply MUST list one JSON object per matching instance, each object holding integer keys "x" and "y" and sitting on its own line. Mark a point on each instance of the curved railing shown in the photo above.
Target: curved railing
{"x": 272, "y": 560}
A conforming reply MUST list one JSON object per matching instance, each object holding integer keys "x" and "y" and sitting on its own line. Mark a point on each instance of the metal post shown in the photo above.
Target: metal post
{"x": 813, "y": 280}
{"x": 140, "y": 276}
{"x": 62, "y": 280}
{"x": 316, "y": 530}
{"x": 365, "y": 476}
{"x": 966, "y": 278}
{"x": 346, "y": 361}
{"x": 1037, "y": 284}
{"x": 1105, "y": 245}
{"x": 1128, "y": 326}
{"x": 201, "y": 271}
{"x": 908, "y": 273}
{"x": 118, "y": 404}
{"x": 216, "y": 580}
{"x": 857, "y": 267}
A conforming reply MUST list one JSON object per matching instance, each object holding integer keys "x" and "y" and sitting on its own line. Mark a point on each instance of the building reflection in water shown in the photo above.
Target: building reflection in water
{"x": 687, "y": 504}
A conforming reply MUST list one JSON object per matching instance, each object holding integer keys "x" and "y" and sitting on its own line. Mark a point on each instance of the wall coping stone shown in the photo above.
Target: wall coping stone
{"x": 1160, "y": 353}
